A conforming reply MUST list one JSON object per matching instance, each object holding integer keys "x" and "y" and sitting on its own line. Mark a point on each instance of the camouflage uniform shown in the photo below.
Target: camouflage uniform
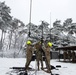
{"x": 29, "y": 53}
{"x": 39, "y": 54}
{"x": 47, "y": 58}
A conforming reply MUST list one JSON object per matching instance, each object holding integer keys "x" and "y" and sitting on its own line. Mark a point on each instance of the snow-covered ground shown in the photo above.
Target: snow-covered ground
{"x": 65, "y": 69}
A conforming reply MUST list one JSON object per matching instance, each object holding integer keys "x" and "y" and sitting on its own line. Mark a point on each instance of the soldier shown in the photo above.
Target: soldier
{"x": 29, "y": 53}
{"x": 47, "y": 56}
{"x": 39, "y": 54}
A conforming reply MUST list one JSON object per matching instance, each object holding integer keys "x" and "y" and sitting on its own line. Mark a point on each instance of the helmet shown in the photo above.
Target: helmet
{"x": 49, "y": 44}
{"x": 28, "y": 42}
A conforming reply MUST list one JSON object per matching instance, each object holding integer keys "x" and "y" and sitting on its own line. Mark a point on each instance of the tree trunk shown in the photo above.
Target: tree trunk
{"x": 15, "y": 41}
{"x": 1, "y": 42}
{"x": 10, "y": 39}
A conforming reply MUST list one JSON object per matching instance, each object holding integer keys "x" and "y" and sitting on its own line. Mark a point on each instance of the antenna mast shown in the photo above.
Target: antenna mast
{"x": 50, "y": 26}
{"x": 30, "y": 17}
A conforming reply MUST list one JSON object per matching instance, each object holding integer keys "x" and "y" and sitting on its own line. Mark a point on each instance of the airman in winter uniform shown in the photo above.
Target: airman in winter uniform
{"x": 47, "y": 56}
{"x": 39, "y": 54}
{"x": 29, "y": 53}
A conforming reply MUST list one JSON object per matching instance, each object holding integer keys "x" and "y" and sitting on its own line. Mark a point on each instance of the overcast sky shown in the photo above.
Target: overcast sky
{"x": 41, "y": 9}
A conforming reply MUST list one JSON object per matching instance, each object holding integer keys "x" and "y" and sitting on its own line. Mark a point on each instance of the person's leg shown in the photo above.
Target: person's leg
{"x": 27, "y": 63}
{"x": 41, "y": 64}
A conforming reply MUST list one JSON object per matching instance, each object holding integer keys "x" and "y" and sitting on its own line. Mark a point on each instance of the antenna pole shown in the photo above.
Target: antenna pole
{"x": 30, "y": 17}
{"x": 30, "y": 10}
{"x": 50, "y": 26}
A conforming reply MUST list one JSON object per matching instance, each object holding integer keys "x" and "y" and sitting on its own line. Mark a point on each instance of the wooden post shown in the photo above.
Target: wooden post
{"x": 59, "y": 55}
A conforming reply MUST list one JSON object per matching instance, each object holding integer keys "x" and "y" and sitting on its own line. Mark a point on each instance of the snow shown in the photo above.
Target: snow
{"x": 65, "y": 69}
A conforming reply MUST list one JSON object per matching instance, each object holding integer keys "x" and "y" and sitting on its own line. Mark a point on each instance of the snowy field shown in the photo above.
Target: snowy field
{"x": 65, "y": 69}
